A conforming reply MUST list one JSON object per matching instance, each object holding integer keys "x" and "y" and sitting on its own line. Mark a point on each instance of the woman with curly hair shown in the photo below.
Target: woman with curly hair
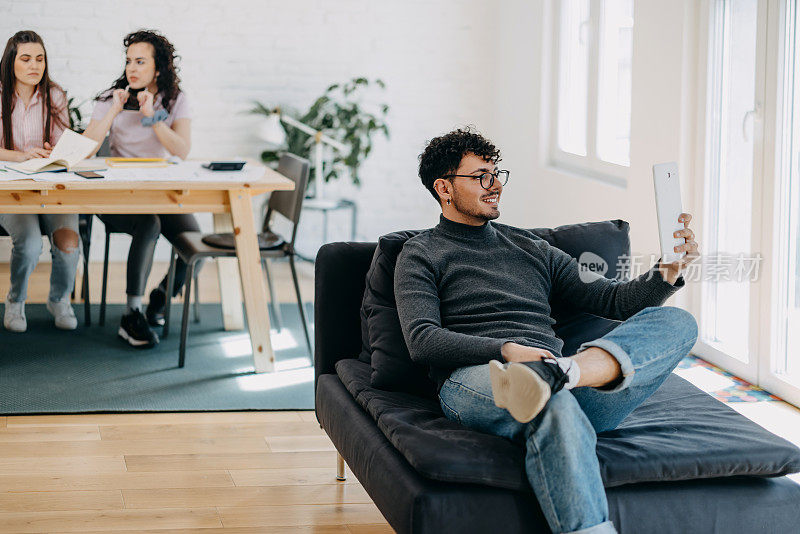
{"x": 33, "y": 112}
{"x": 145, "y": 114}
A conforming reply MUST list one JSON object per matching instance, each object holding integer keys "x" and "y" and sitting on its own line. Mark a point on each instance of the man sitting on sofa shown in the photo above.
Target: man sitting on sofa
{"x": 473, "y": 298}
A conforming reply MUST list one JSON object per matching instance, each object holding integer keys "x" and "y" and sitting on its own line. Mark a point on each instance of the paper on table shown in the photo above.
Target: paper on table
{"x": 186, "y": 171}
{"x": 93, "y": 164}
{"x": 9, "y": 175}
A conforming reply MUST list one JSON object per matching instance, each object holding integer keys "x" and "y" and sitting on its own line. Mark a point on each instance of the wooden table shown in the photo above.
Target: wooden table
{"x": 229, "y": 200}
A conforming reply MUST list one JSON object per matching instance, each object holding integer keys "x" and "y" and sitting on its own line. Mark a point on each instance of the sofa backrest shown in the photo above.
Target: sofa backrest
{"x": 339, "y": 278}
{"x": 341, "y": 269}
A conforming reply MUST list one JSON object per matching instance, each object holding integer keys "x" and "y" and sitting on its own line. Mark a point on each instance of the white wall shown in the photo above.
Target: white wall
{"x": 446, "y": 63}
{"x": 662, "y": 122}
{"x": 435, "y": 58}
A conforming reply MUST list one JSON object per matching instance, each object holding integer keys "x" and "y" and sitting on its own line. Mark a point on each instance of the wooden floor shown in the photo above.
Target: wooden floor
{"x": 270, "y": 472}
{"x": 265, "y": 472}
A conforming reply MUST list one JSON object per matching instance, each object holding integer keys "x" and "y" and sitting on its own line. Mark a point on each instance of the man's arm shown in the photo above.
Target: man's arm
{"x": 613, "y": 299}
{"x": 418, "y": 303}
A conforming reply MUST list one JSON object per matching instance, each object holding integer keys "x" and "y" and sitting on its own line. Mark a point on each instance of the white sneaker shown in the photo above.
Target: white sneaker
{"x": 63, "y": 313}
{"x": 517, "y": 388}
{"x": 14, "y": 317}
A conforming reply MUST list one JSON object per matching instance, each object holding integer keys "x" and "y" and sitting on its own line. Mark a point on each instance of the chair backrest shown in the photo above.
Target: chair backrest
{"x": 105, "y": 148}
{"x": 289, "y": 203}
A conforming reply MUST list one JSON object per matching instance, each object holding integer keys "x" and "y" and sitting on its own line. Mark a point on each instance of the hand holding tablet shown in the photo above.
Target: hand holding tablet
{"x": 678, "y": 247}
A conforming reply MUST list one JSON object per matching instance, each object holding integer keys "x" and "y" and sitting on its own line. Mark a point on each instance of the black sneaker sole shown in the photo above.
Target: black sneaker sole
{"x": 136, "y": 343}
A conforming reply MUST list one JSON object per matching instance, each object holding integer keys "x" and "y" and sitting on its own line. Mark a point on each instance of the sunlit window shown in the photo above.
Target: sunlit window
{"x": 729, "y": 175}
{"x": 594, "y": 48}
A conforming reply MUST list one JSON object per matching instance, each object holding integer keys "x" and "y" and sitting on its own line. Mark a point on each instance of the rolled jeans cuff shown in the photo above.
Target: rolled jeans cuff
{"x": 620, "y": 355}
{"x": 607, "y": 527}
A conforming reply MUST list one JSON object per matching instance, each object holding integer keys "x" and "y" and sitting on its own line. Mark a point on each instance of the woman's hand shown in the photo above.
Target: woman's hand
{"x": 145, "y": 98}
{"x": 33, "y": 153}
{"x": 514, "y": 352}
{"x": 120, "y": 96}
{"x": 671, "y": 271}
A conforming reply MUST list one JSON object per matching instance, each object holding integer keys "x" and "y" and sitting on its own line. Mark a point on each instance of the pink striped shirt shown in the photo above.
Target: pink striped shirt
{"x": 27, "y": 122}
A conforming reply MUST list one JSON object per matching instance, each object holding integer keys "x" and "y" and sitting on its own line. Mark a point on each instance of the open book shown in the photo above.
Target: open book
{"x": 69, "y": 153}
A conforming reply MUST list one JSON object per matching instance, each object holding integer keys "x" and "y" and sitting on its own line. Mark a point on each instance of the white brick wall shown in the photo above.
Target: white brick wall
{"x": 436, "y": 58}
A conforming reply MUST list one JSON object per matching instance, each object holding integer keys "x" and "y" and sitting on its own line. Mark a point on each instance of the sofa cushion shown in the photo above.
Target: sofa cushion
{"x": 382, "y": 338}
{"x": 412, "y": 503}
{"x": 598, "y": 246}
{"x": 679, "y": 433}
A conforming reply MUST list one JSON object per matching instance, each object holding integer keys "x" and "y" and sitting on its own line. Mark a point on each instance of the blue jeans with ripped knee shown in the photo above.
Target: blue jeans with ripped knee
{"x": 26, "y": 231}
{"x": 560, "y": 459}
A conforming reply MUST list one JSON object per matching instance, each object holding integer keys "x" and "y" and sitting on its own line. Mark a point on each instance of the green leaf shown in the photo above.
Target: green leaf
{"x": 268, "y": 156}
{"x": 340, "y": 114}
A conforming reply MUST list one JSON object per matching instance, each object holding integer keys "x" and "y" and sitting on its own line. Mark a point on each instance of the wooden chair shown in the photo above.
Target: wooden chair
{"x": 193, "y": 246}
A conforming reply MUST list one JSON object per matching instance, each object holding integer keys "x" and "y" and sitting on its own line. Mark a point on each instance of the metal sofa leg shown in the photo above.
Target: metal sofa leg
{"x": 341, "y": 474}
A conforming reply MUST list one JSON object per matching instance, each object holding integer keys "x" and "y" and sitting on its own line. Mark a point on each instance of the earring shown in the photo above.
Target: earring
{"x": 448, "y": 201}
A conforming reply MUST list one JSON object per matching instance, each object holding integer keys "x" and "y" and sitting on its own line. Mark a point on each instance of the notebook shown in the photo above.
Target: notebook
{"x": 69, "y": 154}
{"x": 137, "y": 163}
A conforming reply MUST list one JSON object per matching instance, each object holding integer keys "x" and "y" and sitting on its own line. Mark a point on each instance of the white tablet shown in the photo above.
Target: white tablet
{"x": 669, "y": 208}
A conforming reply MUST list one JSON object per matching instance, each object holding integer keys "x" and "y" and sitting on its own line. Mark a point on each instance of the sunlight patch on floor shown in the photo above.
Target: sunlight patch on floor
{"x": 705, "y": 379}
{"x": 237, "y": 345}
{"x": 275, "y": 380}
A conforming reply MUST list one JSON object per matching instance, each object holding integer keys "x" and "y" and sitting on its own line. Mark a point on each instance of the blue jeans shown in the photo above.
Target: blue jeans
{"x": 560, "y": 460}
{"x": 26, "y": 237}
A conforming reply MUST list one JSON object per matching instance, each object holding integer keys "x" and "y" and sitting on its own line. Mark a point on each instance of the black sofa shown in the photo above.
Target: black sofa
{"x": 682, "y": 462}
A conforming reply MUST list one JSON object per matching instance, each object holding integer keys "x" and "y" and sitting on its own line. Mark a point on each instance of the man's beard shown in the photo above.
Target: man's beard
{"x": 469, "y": 210}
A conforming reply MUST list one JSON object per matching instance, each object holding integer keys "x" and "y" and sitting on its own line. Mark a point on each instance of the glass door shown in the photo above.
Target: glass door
{"x": 732, "y": 166}
{"x": 781, "y": 369}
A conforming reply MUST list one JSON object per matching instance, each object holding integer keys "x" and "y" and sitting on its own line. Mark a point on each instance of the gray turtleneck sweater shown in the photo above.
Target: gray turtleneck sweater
{"x": 463, "y": 291}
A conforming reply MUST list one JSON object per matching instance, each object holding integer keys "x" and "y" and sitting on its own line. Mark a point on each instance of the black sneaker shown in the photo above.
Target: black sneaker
{"x": 134, "y": 329}
{"x": 524, "y": 388}
{"x": 155, "y": 308}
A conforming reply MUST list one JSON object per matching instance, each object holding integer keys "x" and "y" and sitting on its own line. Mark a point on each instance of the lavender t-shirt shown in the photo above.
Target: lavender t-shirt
{"x": 128, "y": 138}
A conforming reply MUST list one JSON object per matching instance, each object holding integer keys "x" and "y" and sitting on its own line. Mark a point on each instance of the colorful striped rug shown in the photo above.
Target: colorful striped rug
{"x": 723, "y": 385}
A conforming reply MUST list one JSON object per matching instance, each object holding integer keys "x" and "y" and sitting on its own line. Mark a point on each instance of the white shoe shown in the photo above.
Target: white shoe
{"x": 518, "y": 389}
{"x": 14, "y": 317}
{"x": 63, "y": 313}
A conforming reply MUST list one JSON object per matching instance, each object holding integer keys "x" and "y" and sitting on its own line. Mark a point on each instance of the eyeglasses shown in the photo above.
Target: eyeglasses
{"x": 487, "y": 179}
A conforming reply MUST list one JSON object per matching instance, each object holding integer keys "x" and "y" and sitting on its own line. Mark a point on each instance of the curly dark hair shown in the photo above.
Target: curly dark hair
{"x": 167, "y": 81}
{"x": 443, "y": 155}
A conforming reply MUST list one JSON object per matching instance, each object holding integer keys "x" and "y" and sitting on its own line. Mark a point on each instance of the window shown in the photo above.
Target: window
{"x": 751, "y": 193}
{"x": 729, "y": 169}
{"x": 592, "y": 93}
{"x": 786, "y": 334}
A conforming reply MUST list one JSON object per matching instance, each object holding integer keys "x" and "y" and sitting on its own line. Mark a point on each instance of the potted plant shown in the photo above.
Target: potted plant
{"x": 341, "y": 114}
{"x": 75, "y": 115}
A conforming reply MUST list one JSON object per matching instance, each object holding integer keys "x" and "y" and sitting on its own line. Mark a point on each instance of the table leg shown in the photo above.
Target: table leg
{"x": 254, "y": 289}
{"x": 230, "y": 288}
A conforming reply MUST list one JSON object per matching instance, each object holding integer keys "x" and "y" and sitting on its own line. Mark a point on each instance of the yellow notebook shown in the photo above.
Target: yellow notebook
{"x": 137, "y": 163}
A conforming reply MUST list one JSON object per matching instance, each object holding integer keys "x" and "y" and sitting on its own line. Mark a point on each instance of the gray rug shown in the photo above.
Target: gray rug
{"x": 46, "y": 370}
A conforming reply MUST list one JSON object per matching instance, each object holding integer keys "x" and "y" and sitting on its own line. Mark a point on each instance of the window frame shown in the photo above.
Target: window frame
{"x": 770, "y": 104}
{"x": 590, "y": 165}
